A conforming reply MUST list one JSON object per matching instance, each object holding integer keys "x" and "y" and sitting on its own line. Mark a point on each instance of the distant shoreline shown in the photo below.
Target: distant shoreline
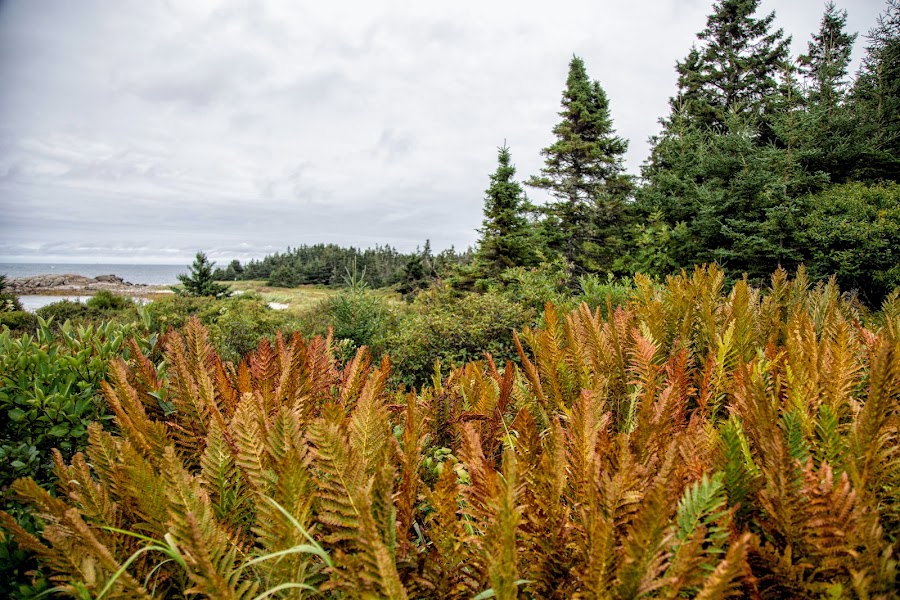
{"x": 68, "y": 284}
{"x": 145, "y": 274}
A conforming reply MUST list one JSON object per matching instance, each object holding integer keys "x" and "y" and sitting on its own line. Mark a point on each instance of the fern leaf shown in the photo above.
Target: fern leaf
{"x": 724, "y": 579}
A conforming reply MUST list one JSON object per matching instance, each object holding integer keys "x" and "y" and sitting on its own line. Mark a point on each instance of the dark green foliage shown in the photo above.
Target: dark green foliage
{"x": 3, "y": 282}
{"x": 506, "y": 236}
{"x": 735, "y": 68}
{"x": 418, "y": 272}
{"x": 827, "y": 60}
{"x": 725, "y": 199}
{"x": 232, "y": 272}
{"x": 49, "y": 385}
{"x": 452, "y": 328}
{"x": 18, "y": 321}
{"x": 9, "y": 303}
{"x": 200, "y": 281}
{"x": 584, "y": 173}
{"x": 64, "y": 310}
{"x": 325, "y": 264}
{"x": 820, "y": 126}
{"x": 284, "y": 276}
{"x": 106, "y": 301}
{"x": 876, "y": 97}
{"x": 852, "y": 231}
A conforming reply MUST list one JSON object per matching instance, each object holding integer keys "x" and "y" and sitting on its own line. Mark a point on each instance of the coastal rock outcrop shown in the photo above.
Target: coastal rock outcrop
{"x": 69, "y": 282}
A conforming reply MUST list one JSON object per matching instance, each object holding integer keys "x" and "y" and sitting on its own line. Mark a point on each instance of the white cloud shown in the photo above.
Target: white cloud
{"x": 248, "y": 126}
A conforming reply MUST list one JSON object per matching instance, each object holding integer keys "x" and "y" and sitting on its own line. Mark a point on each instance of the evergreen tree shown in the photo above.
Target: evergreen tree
{"x": 200, "y": 281}
{"x": 735, "y": 69}
{"x": 822, "y": 127}
{"x": 584, "y": 172}
{"x": 418, "y": 272}
{"x": 505, "y": 236}
{"x": 876, "y": 97}
{"x": 827, "y": 60}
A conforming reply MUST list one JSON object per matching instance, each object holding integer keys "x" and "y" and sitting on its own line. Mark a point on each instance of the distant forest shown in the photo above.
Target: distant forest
{"x": 764, "y": 160}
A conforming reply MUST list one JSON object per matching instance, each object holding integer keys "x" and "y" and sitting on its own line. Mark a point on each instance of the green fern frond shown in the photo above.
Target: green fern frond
{"x": 222, "y": 479}
{"x": 703, "y": 512}
{"x": 792, "y": 425}
{"x": 739, "y": 472}
{"x": 831, "y": 446}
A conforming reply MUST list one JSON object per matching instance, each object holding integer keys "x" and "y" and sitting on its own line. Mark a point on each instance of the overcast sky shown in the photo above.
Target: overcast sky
{"x": 145, "y": 130}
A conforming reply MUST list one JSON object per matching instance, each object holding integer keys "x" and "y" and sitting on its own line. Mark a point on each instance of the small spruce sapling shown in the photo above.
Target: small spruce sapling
{"x": 200, "y": 281}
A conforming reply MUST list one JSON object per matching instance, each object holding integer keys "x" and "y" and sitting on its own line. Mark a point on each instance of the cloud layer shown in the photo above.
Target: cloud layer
{"x": 147, "y": 130}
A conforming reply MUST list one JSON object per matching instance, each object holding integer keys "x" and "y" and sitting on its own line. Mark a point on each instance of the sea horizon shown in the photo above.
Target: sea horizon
{"x": 138, "y": 273}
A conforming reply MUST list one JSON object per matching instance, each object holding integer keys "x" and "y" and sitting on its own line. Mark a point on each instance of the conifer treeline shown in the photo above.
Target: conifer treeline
{"x": 764, "y": 160}
{"x": 328, "y": 264}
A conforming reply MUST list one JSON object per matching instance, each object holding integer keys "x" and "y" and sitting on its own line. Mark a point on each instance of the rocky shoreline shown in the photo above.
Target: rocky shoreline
{"x": 48, "y": 285}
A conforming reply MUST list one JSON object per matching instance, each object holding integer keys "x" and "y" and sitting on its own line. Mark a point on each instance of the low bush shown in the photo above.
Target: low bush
{"x": 175, "y": 311}
{"x": 238, "y": 324}
{"x": 64, "y": 310}
{"x": 452, "y": 328}
{"x": 10, "y": 303}
{"x": 49, "y": 386}
{"x": 18, "y": 321}
{"x": 106, "y": 301}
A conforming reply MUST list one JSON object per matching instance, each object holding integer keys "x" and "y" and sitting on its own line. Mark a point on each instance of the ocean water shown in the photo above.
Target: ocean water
{"x": 147, "y": 274}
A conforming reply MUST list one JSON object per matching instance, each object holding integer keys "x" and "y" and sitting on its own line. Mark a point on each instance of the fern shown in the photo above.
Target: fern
{"x": 703, "y": 510}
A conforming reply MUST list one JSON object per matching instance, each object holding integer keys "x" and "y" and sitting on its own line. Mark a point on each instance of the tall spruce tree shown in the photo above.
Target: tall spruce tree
{"x": 506, "y": 240}
{"x": 735, "y": 68}
{"x": 822, "y": 127}
{"x": 876, "y": 96}
{"x": 827, "y": 60}
{"x": 721, "y": 174}
{"x": 584, "y": 172}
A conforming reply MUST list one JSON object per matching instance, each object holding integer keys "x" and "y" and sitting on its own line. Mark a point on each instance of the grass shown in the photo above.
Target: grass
{"x": 297, "y": 299}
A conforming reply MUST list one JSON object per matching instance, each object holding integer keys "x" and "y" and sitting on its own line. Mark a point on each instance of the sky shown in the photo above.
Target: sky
{"x": 143, "y": 131}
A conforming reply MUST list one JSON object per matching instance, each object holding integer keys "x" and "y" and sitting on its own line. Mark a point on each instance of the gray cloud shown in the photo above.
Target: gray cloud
{"x": 152, "y": 129}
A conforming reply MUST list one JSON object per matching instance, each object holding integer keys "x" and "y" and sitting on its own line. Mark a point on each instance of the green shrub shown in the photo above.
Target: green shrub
{"x": 358, "y": 317}
{"x": 600, "y": 291}
{"x": 18, "y": 321}
{"x": 9, "y": 303}
{"x": 852, "y": 231}
{"x": 238, "y": 325}
{"x": 536, "y": 286}
{"x": 49, "y": 384}
{"x": 451, "y": 328}
{"x": 64, "y": 310}
{"x": 106, "y": 301}
{"x": 175, "y": 311}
